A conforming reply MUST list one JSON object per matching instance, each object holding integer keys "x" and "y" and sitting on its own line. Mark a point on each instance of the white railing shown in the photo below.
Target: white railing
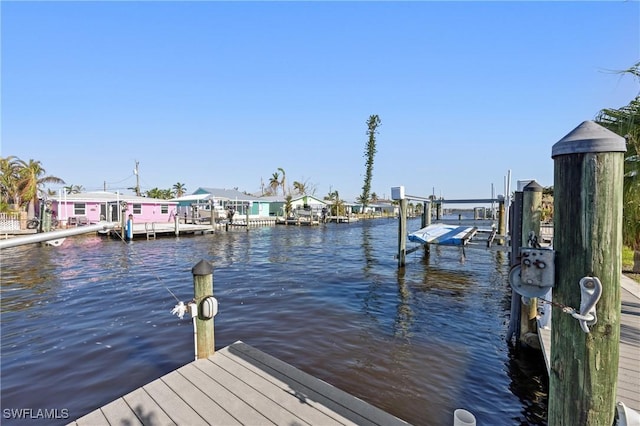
{"x": 9, "y": 221}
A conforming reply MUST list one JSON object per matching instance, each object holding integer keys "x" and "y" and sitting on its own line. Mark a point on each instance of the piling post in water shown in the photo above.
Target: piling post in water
{"x": 529, "y": 235}
{"x": 502, "y": 225}
{"x": 515, "y": 232}
{"x": 588, "y": 176}
{"x": 402, "y": 232}
{"x": 203, "y": 289}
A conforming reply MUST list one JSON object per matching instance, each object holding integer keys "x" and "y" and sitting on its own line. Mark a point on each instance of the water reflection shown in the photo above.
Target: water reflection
{"x": 329, "y": 300}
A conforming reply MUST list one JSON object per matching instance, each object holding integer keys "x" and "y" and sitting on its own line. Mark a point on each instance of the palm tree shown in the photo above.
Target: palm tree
{"x": 73, "y": 189}
{"x": 274, "y": 182}
{"x": 179, "y": 189}
{"x": 283, "y": 181}
{"x": 32, "y": 177}
{"x": 9, "y": 178}
{"x": 300, "y": 187}
{"x": 337, "y": 205}
{"x": 625, "y": 122}
{"x": 288, "y": 206}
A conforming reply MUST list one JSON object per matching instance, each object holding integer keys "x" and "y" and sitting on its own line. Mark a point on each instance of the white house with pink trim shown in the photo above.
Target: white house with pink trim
{"x": 93, "y": 207}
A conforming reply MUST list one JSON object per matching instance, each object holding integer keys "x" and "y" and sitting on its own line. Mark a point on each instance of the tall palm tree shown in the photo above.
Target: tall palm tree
{"x": 179, "y": 189}
{"x": 32, "y": 178}
{"x": 283, "y": 180}
{"x": 370, "y": 152}
{"x": 274, "y": 182}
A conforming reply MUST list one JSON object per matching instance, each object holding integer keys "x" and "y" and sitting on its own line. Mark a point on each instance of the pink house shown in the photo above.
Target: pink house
{"x": 93, "y": 207}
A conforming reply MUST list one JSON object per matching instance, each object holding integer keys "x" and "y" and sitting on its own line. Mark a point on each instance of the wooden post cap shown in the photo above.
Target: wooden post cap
{"x": 202, "y": 268}
{"x": 589, "y": 137}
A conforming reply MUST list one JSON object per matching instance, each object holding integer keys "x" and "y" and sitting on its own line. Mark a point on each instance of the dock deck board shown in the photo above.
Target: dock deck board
{"x": 238, "y": 385}
{"x": 629, "y": 355}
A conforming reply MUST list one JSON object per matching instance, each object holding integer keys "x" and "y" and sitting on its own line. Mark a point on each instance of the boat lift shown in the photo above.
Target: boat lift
{"x": 441, "y": 233}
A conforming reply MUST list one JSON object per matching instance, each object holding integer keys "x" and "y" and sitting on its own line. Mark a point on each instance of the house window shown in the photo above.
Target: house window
{"x": 164, "y": 208}
{"x": 79, "y": 209}
{"x": 137, "y": 208}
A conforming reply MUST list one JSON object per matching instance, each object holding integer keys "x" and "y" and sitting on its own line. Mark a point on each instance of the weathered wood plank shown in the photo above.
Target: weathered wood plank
{"x": 307, "y": 386}
{"x": 238, "y": 385}
{"x": 94, "y": 418}
{"x": 119, "y": 413}
{"x": 146, "y": 409}
{"x": 308, "y": 410}
{"x": 176, "y": 408}
{"x": 268, "y": 408}
{"x": 198, "y": 401}
{"x": 219, "y": 393}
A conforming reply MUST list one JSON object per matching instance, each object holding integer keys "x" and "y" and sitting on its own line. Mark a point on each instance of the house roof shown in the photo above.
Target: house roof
{"x": 281, "y": 199}
{"x": 193, "y": 197}
{"x": 227, "y": 194}
{"x": 103, "y": 196}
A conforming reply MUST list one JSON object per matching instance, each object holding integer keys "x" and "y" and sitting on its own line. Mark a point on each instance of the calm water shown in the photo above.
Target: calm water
{"x": 87, "y": 322}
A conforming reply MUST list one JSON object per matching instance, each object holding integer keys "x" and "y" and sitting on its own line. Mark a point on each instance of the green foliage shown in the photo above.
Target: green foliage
{"x": 370, "y": 152}
{"x": 625, "y": 122}
{"x": 179, "y": 189}
{"x": 288, "y": 205}
{"x": 23, "y": 181}
{"x": 162, "y": 194}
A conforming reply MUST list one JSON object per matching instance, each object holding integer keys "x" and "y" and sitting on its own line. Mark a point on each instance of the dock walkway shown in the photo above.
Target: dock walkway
{"x": 629, "y": 361}
{"x": 238, "y": 385}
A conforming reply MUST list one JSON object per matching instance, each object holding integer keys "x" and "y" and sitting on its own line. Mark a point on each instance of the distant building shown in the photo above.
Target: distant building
{"x": 298, "y": 202}
{"x": 231, "y": 199}
{"x": 93, "y": 207}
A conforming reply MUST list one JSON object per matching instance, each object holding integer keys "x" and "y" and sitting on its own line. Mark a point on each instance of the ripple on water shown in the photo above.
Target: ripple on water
{"x": 89, "y": 321}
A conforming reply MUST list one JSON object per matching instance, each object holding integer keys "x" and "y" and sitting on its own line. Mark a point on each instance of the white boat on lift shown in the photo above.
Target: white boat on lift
{"x": 444, "y": 234}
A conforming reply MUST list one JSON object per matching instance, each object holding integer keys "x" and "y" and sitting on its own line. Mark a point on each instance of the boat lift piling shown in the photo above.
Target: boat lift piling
{"x": 398, "y": 194}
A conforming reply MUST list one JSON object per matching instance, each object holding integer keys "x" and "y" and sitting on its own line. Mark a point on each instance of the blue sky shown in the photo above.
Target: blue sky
{"x": 222, "y": 94}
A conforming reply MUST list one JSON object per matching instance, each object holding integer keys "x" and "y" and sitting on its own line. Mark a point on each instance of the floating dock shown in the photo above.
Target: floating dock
{"x": 629, "y": 362}
{"x": 238, "y": 385}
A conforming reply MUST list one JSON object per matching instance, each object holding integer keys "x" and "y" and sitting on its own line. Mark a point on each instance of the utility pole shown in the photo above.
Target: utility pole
{"x": 135, "y": 171}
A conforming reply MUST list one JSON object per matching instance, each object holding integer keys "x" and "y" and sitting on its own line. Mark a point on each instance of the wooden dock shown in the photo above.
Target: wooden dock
{"x": 238, "y": 385}
{"x": 629, "y": 364}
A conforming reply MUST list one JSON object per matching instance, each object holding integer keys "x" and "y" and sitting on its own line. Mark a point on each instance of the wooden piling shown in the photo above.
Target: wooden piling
{"x": 515, "y": 232}
{"x": 402, "y": 232}
{"x": 588, "y": 176}
{"x": 502, "y": 226}
{"x": 531, "y": 214}
{"x": 203, "y": 288}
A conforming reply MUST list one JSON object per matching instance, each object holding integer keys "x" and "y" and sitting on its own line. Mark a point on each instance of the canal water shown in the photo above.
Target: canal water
{"x": 87, "y": 322}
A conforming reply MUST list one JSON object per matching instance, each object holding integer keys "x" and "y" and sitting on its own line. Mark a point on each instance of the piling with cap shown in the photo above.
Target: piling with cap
{"x": 588, "y": 176}
{"x": 529, "y": 236}
{"x": 202, "y": 289}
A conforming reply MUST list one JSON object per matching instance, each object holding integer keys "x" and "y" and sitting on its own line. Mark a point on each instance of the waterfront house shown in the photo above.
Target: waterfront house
{"x": 298, "y": 202}
{"x": 92, "y": 207}
{"x": 235, "y": 200}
